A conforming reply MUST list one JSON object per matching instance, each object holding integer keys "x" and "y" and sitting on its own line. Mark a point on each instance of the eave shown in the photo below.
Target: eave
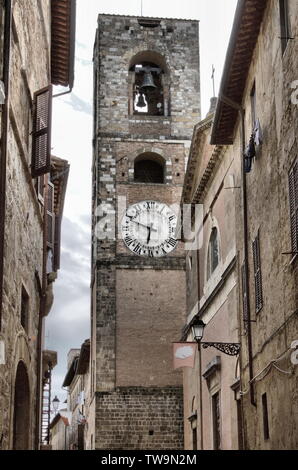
{"x": 83, "y": 363}
{"x": 63, "y": 42}
{"x": 248, "y": 19}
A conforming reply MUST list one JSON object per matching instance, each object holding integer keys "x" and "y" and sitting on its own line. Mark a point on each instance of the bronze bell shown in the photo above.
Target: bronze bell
{"x": 148, "y": 81}
{"x": 141, "y": 102}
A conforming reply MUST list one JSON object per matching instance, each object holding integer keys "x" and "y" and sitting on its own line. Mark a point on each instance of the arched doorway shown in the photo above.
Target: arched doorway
{"x": 21, "y": 422}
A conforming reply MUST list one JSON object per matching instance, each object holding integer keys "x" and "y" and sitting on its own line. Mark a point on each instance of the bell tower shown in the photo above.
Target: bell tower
{"x": 146, "y": 103}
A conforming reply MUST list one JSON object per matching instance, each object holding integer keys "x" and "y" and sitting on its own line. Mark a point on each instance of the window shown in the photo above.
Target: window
{"x": 50, "y": 216}
{"x": 293, "y": 197}
{"x": 194, "y": 439}
{"x": 42, "y": 122}
{"x": 213, "y": 252}
{"x": 265, "y": 417}
{"x": 25, "y": 309}
{"x": 284, "y": 23}
{"x": 148, "y": 83}
{"x": 216, "y": 421}
{"x": 257, "y": 273}
{"x": 148, "y": 168}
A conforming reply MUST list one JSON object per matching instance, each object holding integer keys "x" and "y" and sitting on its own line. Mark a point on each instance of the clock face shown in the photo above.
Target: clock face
{"x": 148, "y": 229}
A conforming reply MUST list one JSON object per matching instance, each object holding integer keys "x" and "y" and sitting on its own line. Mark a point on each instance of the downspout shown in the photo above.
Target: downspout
{"x": 4, "y": 136}
{"x": 236, "y": 106}
{"x": 246, "y": 266}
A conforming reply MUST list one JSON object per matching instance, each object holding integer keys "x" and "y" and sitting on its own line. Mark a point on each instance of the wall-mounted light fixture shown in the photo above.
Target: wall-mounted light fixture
{"x": 231, "y": 349}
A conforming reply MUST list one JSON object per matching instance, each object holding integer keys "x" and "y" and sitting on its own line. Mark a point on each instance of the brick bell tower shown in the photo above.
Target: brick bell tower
{"x": 146, "y": 103}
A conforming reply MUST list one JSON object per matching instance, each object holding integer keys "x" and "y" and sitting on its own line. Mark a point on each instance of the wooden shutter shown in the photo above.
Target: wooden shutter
{"x": 57, "y": 243}
{"x": 257, "y": 273}
{"x": 42, "y": 122}
{"x": 244, "y": 296}
{"x": 293, "y": 195}
{"x": 50, "y": 217}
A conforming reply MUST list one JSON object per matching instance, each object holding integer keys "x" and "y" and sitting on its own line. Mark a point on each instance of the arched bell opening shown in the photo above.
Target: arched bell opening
{"x": 21, "y": 417}
{"x": 149, "y": 168}
{"x": 149, "y": 90}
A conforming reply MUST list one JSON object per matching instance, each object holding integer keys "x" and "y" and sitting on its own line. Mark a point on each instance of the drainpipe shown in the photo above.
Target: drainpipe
{"x": 4, "y": 133}
{"x": 236, "y": 106}
{"x": 246, "y": 266}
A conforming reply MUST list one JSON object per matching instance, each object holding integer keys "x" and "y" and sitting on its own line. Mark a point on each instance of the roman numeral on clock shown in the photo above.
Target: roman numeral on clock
{"x": 128, "y": 240}
{"x": 172, "y": 242}
{"x": 138, "y": 249}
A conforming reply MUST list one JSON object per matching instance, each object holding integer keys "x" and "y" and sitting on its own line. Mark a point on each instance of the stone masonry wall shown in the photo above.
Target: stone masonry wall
{"x": 122, "y": 413}
{"x": 140, "y": 418}
{"x": 119, "y": 39}
{"x": 23, "y": 225}
{"x": 275, "y": 326}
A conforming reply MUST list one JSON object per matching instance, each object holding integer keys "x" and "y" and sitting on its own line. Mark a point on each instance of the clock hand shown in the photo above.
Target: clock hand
{"x": 143, "y": 225}
{"x": 149, "y": 234}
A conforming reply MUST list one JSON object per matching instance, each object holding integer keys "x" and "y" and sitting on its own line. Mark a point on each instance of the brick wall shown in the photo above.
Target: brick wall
{"x": 140, "y": 418}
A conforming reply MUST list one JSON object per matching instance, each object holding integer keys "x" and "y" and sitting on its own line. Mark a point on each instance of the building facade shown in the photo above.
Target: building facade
{"x": 33, "y": 56}
{"x": 212, "y": 405}
{"x": 256, "y": 117}
{"x": 77, "y": 380}
{"x": 146, "y": 102}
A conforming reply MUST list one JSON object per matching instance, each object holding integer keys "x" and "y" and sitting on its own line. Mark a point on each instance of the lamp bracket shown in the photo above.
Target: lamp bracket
{"x": 231, "y": 349}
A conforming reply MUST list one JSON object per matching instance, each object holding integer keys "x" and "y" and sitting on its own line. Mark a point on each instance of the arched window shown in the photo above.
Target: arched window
{"x": 213, "y": 252}
{"x": 148, "y": 84}
{"x": 149, "y": 168}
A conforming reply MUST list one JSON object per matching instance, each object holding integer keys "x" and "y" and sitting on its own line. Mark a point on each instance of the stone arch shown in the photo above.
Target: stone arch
{"x": 151, "y": 101}
{"x": 149, "y": 167}
{"x": 159, "y": 155}
{"x": 21, "y": 413}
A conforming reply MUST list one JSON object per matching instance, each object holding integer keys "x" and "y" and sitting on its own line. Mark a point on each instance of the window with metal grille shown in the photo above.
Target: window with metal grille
{"x": 244, "y": 295}
{"x": 284, "y": 23}
{"x": 42, "y": 122}
{"x": 293, "y": 197}
{"x": 257, "y": 273}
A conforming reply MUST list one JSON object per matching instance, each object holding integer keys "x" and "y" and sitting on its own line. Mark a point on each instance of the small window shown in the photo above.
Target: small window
{"x": 257, "y": 273}
{"x": 25, "y": 309}
{"x": 213, "y": 252}
{"x": 148, "y": 171}
{"x": 216, "y": 421}
{"x": 284, "y": 24}
{"x": 194, "y": 439}
{"x": 265, "y": 417}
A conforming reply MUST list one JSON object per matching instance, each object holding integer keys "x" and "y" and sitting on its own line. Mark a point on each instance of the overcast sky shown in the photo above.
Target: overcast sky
{"x": 68, "y": 324}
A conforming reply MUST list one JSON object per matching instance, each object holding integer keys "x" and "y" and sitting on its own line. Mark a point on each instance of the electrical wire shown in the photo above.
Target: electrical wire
{"x": 264, "y": 372}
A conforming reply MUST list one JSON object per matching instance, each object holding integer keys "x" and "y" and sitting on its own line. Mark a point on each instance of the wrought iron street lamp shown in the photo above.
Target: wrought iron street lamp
{"x": 55, "y": 403}
{"x": 231, "y": 349}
